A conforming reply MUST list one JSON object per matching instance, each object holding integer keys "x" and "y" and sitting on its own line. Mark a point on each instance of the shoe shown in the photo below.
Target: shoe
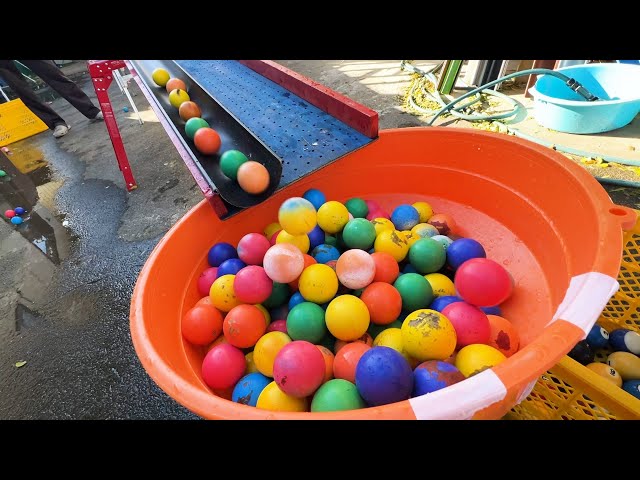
{"x": 60, "y": 131}
{"x": 98, "y": 117}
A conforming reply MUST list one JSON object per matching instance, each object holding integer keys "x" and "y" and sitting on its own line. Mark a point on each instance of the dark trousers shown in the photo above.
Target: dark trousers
{"x": 49, "y": 72}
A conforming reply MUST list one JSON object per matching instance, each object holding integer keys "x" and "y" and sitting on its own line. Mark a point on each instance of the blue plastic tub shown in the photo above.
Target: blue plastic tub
{"x": 558, "y": 107}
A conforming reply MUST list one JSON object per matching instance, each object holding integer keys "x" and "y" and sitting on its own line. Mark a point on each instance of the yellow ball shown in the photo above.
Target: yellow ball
{"x": 300, "y": 241}
{"x": 274, "y": 399}
{"x": 297, "y": 216}
{"x": 392, "y": 242}
{"x": 332, "y": 216}
{"x": 265, "y": 312}
{"x": 440, "y": 284}
{"x": 477, "y": 357}
{"x": 410, "y": 237}
{"x": 266, "y": 349}
{"x": 428, "y": 335}
{"x": 270, "y": 229}
{"x": 425, "y": 230}
{"x": 382, "y": 224}
{"x": 347, "y": 317}
{"x": 318, "y": 283}
{"x": 424, "y": 210}
{"x": 223, "y": 297}
{"x": 160, "y": 76}
{"x": 392, "y": 338}
{"x": 177, "y": 97}
{"x": 251, "y": 365}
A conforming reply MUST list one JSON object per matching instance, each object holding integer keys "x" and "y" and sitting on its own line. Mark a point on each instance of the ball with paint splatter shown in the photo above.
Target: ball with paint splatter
{"x": 428, "y": 335}
{"x": 332, "y": 217}
{"x": 297, "y": 216}
{"x": 405, "y": 217}
{"x": 249, "y": 388}
{"x": 434, "y": 375}
{"x": 443, "y": 222}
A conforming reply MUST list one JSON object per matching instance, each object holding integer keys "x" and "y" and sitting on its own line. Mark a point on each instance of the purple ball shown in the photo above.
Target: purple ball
{"x": 230, "y": 267}
{"x": 220, "y": 252}
{"x": 383, "y": 376}
{"x": 462, "y": 250}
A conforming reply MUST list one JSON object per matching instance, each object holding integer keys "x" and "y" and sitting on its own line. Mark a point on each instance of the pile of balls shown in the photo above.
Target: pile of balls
{"x": 341, "y": 306}
{"x": 15, "y": 215}
{"x": 618, "y": 354}
{"x": 252, "y": 176}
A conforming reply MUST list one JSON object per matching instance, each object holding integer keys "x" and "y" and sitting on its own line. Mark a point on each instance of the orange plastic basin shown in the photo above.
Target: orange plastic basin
{"x": 544, "y": 218}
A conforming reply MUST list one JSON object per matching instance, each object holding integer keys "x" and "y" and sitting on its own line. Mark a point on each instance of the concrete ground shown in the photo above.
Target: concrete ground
{"x": 67, "y": 274}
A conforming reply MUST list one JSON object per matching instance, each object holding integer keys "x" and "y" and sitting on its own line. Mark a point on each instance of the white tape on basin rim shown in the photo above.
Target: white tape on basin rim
{"x": 461, "y": 400}
{"x": 585, "y": 299}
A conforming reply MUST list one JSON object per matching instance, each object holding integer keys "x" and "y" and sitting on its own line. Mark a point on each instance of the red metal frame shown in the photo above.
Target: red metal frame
{"x": 101, "y": 76}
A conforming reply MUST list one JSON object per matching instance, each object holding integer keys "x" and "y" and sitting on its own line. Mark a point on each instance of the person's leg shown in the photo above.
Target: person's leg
{"x": 12, "y": 77}
{"x": 48, "y": 71}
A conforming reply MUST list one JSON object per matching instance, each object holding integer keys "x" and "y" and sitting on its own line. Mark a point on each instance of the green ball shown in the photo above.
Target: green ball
{"x": 357, "y": 207}
{"x": 336, "y": 395}
{"x": 427, "y": 256}
{"x": 2, "y": 173}
{"x": 359, "y": 233}
{"x": 230, "y": 162}
{"x": 279, "y": 295}
{"x": 193, "y": 125}
{"x": 330, "y": 240}
{"x": 415, "y": 291}
{"x": 305, "y": 321}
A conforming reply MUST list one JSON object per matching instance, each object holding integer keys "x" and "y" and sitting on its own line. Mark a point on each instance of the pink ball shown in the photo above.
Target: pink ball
{"x": 252, "y": 247}
{"x": 483, "y": 282}
{"x": 206, "y": 278}
{"x": 223, "y": 366}
{"x": 355, "y": 269}
{"x": 470, "y": 323}
{"x": 378, "y": 214}
{"x": 278, "y": 326}
{"x": 252, "y": 284}
{"x": 283, "y": 262}
{"x": 372, "y": 205}
{"x": 299, "y": 368}
{"x": 272, "y": 240}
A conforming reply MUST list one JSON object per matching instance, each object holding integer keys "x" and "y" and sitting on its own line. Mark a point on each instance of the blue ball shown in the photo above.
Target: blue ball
{"x": 408, "y": 268}
{"x": 249, "y": 388}
{"x": 295, "y": 299}
{"x": 598, "y": 337}
{"x": 316, "y": 197}
{"x": 492, "y": 310}
{"x": 230, "y": 267}
{"x": 220, "y": 252}
{"x": 632, "y": 387}
{"x": 19, "y": 210}
{"x": 405, "y": 217}
{"x": 439, "y": 303}
{"x": 125, "y": 109}
{"x": 383, "y": 376}
{"x": 462, "y": 250}
{"x": 624, "y": 340}
{"x": 16, "y": 220}
{"x": 324, "y": 253}
{"x": 434, "y": 375}
{"x": 316, "y": 237}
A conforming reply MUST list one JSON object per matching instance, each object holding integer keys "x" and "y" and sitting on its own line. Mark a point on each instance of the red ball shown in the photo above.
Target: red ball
{"x": 383, "y": 302}
{"x": 372, "y": 205}
{"x": 252, "y": 284}
{"x": 9, "y": 213}
{"x": 223, "y": 366}
{"x": 278, "y": 326}
{"x": 202, "y": 324}
{"x": 299, "y": 368}
{"x": 379, "y": 213}
{"x": 207, "y": 141}
{"x": 252, "y": 247}
{"x": 470, "y": 323}
{"x": 206, "y": 278}
{"x": 483, "y": 282}
{"x": 244, "y": 325}
{"x": 272, "y": 240}
{"x": 387, "y": 269}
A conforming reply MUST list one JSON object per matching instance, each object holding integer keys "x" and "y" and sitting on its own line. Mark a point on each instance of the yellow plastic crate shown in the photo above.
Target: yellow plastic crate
{"x": 570, "y": 391}
{"x": 18, "y": 122}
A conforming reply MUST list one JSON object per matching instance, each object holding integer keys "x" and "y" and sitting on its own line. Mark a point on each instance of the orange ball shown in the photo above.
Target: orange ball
{"x": 204, "y": 301}
{"x": 387, "y": 269}
{"x": 175, "y": 83}
{"x": 328, "y": 362}
{"x": 244, "y": 325}
{"x": 188, "y": 110}
{"x": 253, "y": 177}
{"x": 207, "y": 141}
{"x": 444, "y": 223}
{"x": 504, "y": 335}
{"x": 216, "y": 342}
{"x": 365, "y": 338}
{"x": 308, "y": 260}
{"x": 201, "y": 324}
{"x": 383, "y": 302}
{"x": 346, "y": 361}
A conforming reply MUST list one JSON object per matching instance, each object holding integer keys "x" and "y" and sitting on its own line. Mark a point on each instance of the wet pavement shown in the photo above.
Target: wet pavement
{"x": 67, "y": 273}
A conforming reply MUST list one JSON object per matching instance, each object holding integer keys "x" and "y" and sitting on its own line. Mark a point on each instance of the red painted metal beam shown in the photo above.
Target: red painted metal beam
{"x": 357, "y": 116}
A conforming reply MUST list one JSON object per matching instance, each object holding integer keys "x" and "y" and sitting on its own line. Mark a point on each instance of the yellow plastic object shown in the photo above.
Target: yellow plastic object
{"x": 570, "y": 391}
{"x": 18, "y": 122}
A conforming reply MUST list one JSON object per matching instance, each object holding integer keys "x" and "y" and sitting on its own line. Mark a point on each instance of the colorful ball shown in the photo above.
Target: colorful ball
{"x": 598, "y": 337}
{"x": 19, "y": 211}
{"x": 272, "y": 228}
{"x": 308, "y": 260}
{"x": 207, "y": 141}
{"x": 9, "y": 213}
{"x": 306, "y": 322}
{"x": 392, "y": 338}
{"x": 283, "y": 262}
{"x": 299, "y": 368}
{"x": 252, "y": 284}
{"x": 424, "y": 230}
{"x": 427, "y": 256}
{"x": 424, "y": 211}
{"x": 193, "y": 125}
{"x": 439, "y": 303}
{"x": 328, "y": 362}
{"x": 441, "y": 285}
{"x": 220, "y": 252}
{"x": 174, "y": 84}
{"x": 265, "y": 313}
{"x": 296, "y": 299}
{"x": 318, "y": 283}
{"x": 428, "y": 335}
{"x": 16, "y": 220}
{"x": 443, "y": 240}
{"x": 278, "y": 300}
{"x": 266, "y": 349}
{"x": 392, "y": 242}
{"x": 189, "y": 110}
{"x": 434, "y": 375}
{"x": 632, "y": 387}
{"x": 337, "y": 395}
{"x": 607, "y": 372}
{"x": 471, "y": 324}
{"x": 476, "y": 358}
{"x": 230, "y": 267}
{"x": 177, "y": 97}
{"x": 300, "y": 241}
{"x": 249, "y": 388}
{"x": 581, "y": 353}
{"x": 625, "y": 340}
{"x": 365, "y": 338}
{"x": 483, "y": 282}
{"x": 495, "y": 310}
{"x": 202, "y": 324}
{"x": 251, "y": 365}
{"x": 297, "y": 216}
{"x": 347, "y": 317}
{"x": 274, "y": 399}
{"x": 316, "y": 197}
{"x": 410, "y": 237}
{"x": 464, "y": 249}
{"x": 316, "y": 237}
{"x": 381, "y": 224}
{"x": 278, "y": 326}
{"x": 222, "y": 294}
{"x": 346, "y": 360}
{"x": 332, "y": 216}
{"x": 359, "y": 233}
{"x": 230, "y": 162}
{"x": 252, "y": 248}
{"x": 383, "y": 376}
{"x": 223, "y": 366}
{"x": 504, "y": 335}
{"x": 383, "y": 302}
{"x": 253, "y": 177}
{"x": 443, "y": 222}
{"x": 206, "y": 279}
{"x": 355, "y": 269}
{"x": 415, "y": 291}
{"x": 357, "y": 207}
{"x": 405, "y": 217}
{"x": 324, "y": 253}
{"x": 244, "y": 325}
{"x": 387, "y": 269}
{"x": 160, "y": 77}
